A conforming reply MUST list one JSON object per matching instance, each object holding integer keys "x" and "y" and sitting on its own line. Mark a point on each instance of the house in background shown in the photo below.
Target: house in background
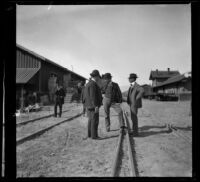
{"x": 35, "y": 73}
{"x": 179, "y": 86}
{"x": 159, "y": 76}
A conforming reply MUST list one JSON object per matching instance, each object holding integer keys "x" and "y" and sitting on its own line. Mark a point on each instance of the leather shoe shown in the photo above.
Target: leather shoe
{"x": 96, "y": 138}
{"x": 133, "y": 134}
{"x": 108, "y": 129}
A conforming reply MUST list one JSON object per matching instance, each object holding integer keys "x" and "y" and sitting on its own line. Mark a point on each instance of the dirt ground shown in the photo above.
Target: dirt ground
{"x": 64, "y": 152}
{"x": 159, "y": 152}
{"x": 32, "y": 127}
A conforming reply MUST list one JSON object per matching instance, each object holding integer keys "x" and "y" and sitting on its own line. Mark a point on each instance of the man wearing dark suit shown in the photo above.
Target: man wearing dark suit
{"x": 134, "y": 100}
{"x": 60, "y": 95}
{"x": 93, "y": 100}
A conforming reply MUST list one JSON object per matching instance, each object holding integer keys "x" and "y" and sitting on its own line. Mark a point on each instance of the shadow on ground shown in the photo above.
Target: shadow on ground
{"x": 150, "y": 127}
{"x": 143, "y": 133}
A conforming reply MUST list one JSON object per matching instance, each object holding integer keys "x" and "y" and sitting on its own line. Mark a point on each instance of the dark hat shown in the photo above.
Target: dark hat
{"x": 107, "y": 76}
{"x": 95, "y": 73}
{"x": 133, "y": 75}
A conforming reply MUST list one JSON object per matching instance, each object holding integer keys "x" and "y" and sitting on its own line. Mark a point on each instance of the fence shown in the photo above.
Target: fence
{"x": 185, "y": 96}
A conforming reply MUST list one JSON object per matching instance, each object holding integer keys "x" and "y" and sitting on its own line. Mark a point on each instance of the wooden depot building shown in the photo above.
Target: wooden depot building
{"x": 35, "y": 73}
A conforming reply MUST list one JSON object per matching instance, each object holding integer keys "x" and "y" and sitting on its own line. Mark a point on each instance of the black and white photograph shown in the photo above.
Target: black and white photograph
{"x": 103, "y": 90}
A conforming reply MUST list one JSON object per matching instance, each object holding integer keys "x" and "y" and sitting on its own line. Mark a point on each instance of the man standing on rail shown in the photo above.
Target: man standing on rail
{"x": 60, "y": 95}
{"x": 112, "y": 97}
{"x": 134, "y": 100}
{"x": 93, "y": 100}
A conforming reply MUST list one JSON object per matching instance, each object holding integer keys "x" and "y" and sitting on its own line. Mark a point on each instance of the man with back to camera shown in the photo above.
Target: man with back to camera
{"x": 112, "y": 97}
{"x": 93, "y": 100}
{"x": 134, "y": 100}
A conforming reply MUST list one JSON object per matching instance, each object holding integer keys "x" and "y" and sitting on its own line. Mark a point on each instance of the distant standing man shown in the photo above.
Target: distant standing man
{"x": 134, "y": 100}
{"x": 93, "y": 100}
{"x": 60, "y": 95}
{"x": 112, "y": 98}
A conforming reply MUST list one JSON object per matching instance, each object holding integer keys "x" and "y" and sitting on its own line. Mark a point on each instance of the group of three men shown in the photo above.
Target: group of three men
{"x": 103, "y": 90}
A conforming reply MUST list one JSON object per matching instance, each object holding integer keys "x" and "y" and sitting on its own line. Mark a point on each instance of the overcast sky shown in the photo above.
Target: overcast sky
{"x": 120, "y": 39}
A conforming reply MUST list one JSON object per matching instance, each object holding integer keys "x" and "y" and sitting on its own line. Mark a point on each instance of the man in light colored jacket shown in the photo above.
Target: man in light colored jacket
{"x": 112, "y": 98}
{"x": 134, "y": 100}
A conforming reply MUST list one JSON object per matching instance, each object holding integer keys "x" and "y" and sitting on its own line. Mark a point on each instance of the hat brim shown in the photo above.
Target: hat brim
{"x": 132, "y": 77}
{"x": 93, "y": 75}
{"x": 108, "y": 77}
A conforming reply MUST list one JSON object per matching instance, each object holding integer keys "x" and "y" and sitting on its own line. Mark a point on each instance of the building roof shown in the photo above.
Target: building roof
{"x": 47, "y": 60}
{"x": 173, "y": 79}
{"x": 145, "y": 85}
{"x": 23, "y": 75}
{"x": 162, "y": 74}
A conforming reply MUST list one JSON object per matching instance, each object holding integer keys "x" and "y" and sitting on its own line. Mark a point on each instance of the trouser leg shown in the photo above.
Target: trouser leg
{"x": 118, "y": 110}
{"x": 94, "y": 125}
{"x": 89, "y": 114}
{"x": 134, "y": 119}
{"x": 84, "y": 108}
{"x": 60, "y": 109}
{"x": 106, "y": 105}
{"x": 55, "y": 109}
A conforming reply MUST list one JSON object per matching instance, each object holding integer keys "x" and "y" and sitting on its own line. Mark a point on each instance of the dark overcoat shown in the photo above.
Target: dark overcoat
{"x": 60, "y": 95}
{"x": 92, "y": 95}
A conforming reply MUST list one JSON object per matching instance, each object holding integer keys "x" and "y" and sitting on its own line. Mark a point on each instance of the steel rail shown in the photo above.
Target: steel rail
{"x": 116, "y": 159}
{"x": 38, "y": 133}
{"x": 36, "y": 119}
{"x": 133, "y": 171}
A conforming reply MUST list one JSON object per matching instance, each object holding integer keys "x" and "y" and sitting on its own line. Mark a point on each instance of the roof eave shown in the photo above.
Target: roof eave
{"x": 47, "y": 60}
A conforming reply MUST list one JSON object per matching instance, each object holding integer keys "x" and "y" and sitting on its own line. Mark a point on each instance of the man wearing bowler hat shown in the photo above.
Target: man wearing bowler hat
{"x": 134, "y": 100}
{"x": 112, "y": 97}
{"x": 93, "y": 100}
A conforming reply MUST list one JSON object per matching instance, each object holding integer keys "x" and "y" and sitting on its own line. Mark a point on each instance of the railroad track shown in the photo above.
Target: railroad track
{"x": 41, "y": 131}
{"x": 36, "y": 119}
{"x": 40, "y": 118}
{"x": 175, "y": 131}
{"x": 124, "y": 143}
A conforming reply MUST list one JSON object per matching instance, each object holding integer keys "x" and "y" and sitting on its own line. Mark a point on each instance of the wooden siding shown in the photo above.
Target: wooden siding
{"x": 26, "y": 60}
{"x": 46, "y": 70}
{"x": 176, "y": 88}
{"x": 158, "y": 81}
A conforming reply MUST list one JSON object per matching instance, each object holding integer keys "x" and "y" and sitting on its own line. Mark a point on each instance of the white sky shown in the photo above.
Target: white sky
{"x": 120, "y": 39}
